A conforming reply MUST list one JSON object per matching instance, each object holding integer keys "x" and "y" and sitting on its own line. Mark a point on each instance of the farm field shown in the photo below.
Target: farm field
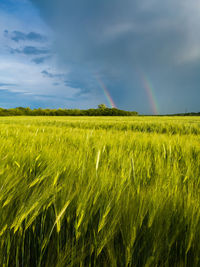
{"x": 99, "y": 191}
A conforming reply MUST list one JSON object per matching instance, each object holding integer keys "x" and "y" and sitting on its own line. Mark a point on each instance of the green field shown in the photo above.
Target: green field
{"x": 99, "y": 191}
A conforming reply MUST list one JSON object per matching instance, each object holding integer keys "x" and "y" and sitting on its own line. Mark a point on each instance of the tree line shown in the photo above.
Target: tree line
{"x": 185, "y": 114}
{"x": 100, "y": 111}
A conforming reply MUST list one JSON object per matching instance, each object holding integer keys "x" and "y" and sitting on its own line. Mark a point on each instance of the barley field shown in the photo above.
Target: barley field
{"x": 99, "y": 191}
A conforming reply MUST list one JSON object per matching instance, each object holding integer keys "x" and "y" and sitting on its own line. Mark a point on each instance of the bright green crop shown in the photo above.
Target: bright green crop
{"x": 102, "y": 191}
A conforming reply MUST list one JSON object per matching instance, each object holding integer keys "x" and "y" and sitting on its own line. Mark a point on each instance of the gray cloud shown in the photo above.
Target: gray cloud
{"x": 40, "y": 60}
{"x": 74, "y": 84}
{"x": 48, "y": 74}
{"x": 118, "y": 39}
{"x": 31, "y": 50}
{"x": 85, "y": 87}
{"x": 9, "y": 99}
{"x": 55, "y": 84}
{"x": 54, "y": 97}
{"x": 7, "y": 84}
{"x": 52, "y": 75}
{"x": 114, "y": 32}
{"x": 21, "y": 36}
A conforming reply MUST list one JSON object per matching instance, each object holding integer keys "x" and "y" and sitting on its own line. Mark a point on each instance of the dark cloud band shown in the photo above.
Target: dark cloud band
{"x": 31, "y": 50}
{"x": 18, "y": 36}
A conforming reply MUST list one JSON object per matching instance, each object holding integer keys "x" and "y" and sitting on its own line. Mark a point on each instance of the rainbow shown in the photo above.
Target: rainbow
{"x": 150, "y": 93}
{"x": 106, "y": 93}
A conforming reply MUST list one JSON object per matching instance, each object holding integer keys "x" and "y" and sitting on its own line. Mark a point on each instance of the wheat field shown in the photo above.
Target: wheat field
{"x": 99, "y": 191}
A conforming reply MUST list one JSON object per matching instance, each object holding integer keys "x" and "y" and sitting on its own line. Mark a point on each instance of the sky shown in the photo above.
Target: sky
{"x": 141, "y": 55}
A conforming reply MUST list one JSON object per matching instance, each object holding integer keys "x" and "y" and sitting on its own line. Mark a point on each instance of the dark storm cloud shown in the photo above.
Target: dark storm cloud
{"x": 118, "y": 39}
{"x": 21, "y": 36}
{"x": 31, "y": 50}
{"x": 114, "y": 32}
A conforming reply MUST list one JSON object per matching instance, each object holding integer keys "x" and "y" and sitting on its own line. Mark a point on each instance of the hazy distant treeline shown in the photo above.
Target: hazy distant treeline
{"x": 20, "y": 111}
{"x": 187, "y": 114}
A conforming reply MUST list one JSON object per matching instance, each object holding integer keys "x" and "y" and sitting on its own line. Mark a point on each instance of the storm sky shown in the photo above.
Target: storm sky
{"x": 58, "y": 54}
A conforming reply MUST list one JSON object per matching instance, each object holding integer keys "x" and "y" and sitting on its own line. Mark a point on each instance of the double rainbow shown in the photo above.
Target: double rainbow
{"x": 147, "y": 86}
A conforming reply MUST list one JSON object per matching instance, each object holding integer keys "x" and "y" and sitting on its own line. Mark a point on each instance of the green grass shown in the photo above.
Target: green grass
{"x": 84, "y": 191}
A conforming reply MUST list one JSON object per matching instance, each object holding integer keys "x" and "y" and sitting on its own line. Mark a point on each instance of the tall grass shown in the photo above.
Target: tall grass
{"x": 99, "y": 191}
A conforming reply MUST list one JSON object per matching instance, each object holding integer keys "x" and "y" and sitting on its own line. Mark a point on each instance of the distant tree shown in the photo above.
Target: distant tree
{"x": 102, "y": 106}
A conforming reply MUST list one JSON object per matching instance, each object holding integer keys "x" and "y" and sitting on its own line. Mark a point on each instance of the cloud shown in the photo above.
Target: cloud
{"x": 26, "y": 78}
{"x": 55, "y": 97}
{"x": 7, "y": 84}
{"x": 103, "y": 33}
{"x": 24, "y": 58}
{"x": 52, "y": 75}
{"x": 31, "y": 50}
{"x": 40, "y": 60}
{"x": 9, "y": 99}
{"x": 48, "y": 74}
{"x": 74, "y": 84}
{"x": 55, "y": 84}
{"x": 83, "y": 86}
{"x": 21, "y": 36}
{"x": 118, "y": 39}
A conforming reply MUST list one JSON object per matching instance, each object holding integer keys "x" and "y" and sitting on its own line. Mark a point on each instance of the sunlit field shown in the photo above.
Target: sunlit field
{"x": 99, "y": 191}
